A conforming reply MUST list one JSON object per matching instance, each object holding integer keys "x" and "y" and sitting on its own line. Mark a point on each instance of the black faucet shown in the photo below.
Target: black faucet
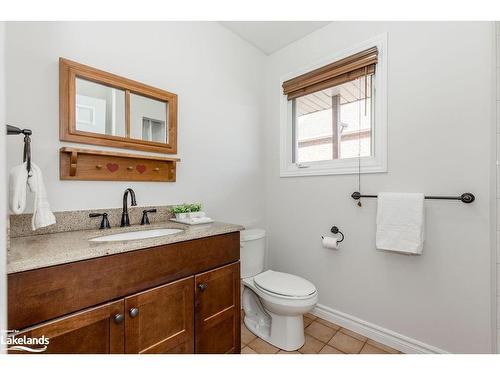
{"x": 125, "y": 221}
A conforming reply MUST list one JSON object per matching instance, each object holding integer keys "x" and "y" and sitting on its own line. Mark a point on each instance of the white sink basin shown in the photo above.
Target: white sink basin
{"x": 137, "y": 235}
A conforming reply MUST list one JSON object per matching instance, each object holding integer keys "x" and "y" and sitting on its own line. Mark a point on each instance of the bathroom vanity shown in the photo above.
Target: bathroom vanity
{"x": 110, "y": 290}
{"x": 171, "y": 294}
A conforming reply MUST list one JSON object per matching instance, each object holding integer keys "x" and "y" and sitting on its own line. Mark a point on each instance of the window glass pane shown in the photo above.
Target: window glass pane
{"x": 335, "y": 123}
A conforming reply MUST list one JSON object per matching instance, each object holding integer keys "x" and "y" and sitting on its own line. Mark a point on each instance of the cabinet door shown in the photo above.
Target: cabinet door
{"x": 160, "y": 320}
{"x": 99, "y": 330}
{"x": 217, "y": 310}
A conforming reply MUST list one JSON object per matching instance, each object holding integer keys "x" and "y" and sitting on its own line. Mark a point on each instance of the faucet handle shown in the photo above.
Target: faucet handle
{"x": 104, "y": 221}
{"x": 145, "y": 218}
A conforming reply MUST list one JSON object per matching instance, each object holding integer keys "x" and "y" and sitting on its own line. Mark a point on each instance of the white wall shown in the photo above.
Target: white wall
{"x": 497, "y": 104}
{"x": 3, "y": 192}
{"x": 217, "y": 76}
{"x": 439, "y": 119}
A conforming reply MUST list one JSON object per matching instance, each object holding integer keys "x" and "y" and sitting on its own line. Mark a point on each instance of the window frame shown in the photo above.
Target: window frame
{"x": 377, "y": 162}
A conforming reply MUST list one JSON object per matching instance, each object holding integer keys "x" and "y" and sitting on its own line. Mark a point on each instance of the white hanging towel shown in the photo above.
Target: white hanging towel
{"x": 42, "y": 215}
{"x": 400, "y": 222}
{"x": 18, "y": 181}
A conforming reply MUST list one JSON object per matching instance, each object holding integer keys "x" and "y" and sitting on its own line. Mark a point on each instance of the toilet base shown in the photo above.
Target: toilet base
{"x": 287, "y": 332}
{"x": 283, "y": 331}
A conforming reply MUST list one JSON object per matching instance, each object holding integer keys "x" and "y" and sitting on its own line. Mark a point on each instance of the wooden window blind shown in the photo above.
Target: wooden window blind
{"x": 336, "y": 73}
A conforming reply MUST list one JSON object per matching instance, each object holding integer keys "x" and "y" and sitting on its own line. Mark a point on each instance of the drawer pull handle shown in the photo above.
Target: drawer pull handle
{"x": 133, "y": 312}
{"x": 118, "y": 318}
{"x": 202, "y": 287}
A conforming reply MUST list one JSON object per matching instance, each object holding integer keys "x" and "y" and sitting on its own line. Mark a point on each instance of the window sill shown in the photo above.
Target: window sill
{"x": 336, "y": 167}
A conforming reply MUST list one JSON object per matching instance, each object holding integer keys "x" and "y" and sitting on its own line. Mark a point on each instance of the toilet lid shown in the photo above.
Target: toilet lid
{"x": 284, "y": 284}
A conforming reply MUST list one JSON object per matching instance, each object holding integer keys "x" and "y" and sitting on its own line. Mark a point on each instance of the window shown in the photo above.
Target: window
{"x": 333, "y": 116}
{"x": 334, "y": 123}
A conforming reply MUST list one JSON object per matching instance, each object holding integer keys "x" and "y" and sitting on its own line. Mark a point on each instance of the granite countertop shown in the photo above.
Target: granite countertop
{"x": 32, "y": 252}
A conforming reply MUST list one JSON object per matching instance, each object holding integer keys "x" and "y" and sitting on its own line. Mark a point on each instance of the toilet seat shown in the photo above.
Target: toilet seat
{"x": 284, "y": 285}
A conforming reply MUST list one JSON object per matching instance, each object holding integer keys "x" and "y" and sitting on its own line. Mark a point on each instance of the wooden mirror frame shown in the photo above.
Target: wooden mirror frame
{"x": 70, "y": 70}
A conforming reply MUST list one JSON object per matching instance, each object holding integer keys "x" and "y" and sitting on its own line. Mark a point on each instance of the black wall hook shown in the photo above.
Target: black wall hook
{"x": 14, "y": 130}
{"x": 335, "y": 230}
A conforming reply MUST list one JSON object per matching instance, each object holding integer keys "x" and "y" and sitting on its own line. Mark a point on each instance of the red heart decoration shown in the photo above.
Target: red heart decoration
{"x": 112, "y": 167}
{"x": 141, "y": 168}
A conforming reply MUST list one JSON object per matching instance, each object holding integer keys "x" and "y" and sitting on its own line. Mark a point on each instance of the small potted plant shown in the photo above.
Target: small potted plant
{"x": 187, "y": 211}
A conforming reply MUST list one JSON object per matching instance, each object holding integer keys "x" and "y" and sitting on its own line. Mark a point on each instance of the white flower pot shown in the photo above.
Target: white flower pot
{"x": 189, "y": 215}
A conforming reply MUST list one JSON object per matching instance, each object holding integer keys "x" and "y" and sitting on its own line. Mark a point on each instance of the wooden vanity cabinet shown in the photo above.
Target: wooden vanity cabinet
{"x": 160, "y": 320}
{"x": 167, "y": 312}
{"x": 217, "y": 310}
{"x": 98, "y": 330}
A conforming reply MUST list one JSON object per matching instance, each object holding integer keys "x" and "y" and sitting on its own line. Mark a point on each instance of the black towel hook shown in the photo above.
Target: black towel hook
{"x": 14, "y": 130}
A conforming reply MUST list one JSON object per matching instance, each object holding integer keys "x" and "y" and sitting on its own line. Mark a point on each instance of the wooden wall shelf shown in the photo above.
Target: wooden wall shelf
{"x": 97, "y": 165}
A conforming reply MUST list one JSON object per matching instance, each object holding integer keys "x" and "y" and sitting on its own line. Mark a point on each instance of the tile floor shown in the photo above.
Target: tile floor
{"x": 322, "y": 337}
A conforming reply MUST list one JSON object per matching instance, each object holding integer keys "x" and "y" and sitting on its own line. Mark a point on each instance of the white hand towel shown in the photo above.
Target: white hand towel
{"x": 18, "y": 180}
{"x": 42, "y": 215}
{"x": 400, "y": 222}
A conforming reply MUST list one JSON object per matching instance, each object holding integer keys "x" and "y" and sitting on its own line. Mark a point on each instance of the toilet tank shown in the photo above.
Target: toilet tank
{"x": 252, "y": 251}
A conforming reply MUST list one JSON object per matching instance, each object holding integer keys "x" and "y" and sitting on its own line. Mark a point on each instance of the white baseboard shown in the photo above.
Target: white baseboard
{"x": 384, "y": 336}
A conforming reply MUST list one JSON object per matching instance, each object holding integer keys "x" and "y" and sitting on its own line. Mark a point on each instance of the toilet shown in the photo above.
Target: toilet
{"x": 274, "y": 302}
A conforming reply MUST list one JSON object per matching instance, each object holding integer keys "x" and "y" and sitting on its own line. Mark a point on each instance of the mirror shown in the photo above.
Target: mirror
{"x": 101, "y": 108}
{"x": 148, "y": 119}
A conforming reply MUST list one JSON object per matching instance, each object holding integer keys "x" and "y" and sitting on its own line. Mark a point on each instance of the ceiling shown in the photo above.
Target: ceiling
{"x": 270, "y": 36}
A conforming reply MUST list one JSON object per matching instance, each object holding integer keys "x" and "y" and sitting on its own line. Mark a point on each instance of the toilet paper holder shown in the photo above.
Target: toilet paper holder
{"x": 335, "y": 230}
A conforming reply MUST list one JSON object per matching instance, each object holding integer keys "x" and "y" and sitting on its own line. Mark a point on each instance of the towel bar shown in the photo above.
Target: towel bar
{"x": 465, "y": 197}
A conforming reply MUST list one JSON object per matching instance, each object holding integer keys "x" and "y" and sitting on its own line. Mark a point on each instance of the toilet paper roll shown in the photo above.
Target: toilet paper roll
{"x": 330, "y": 243}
